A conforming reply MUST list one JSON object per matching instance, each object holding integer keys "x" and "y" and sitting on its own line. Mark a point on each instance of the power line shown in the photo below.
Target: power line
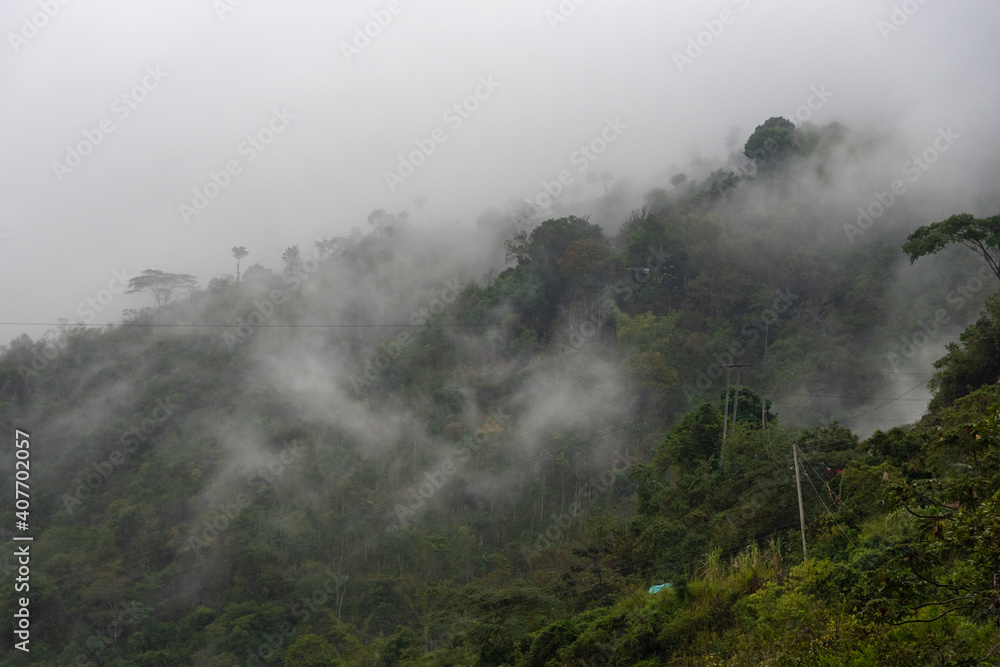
{"x": 913, "y": 388}
{"x": 859, "y": 398}
{"x": 823, "y": 502}
{"x": 254, "y": 326}
{"x": 887, "y": 373}
{"x": 861, "y": 520}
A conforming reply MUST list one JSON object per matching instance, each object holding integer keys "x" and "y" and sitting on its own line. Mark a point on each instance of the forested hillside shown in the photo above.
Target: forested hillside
{"x": 483, "y": 444}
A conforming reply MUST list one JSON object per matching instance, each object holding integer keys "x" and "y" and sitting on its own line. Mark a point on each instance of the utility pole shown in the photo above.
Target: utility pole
{"x": 798, "y": 488}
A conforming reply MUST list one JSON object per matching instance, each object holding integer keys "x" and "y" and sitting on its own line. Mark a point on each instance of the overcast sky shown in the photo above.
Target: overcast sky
{"x": 183, "y": 85}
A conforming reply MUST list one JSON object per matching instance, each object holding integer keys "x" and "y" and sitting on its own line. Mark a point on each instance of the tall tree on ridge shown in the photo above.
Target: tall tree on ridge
{"x": 239, "y": 252}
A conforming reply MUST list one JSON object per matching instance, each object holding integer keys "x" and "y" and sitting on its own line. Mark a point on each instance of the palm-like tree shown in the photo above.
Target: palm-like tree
{"x": 239, "y": 252}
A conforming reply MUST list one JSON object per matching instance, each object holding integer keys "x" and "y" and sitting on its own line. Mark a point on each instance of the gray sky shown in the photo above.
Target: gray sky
{"x": 222, "y": 71}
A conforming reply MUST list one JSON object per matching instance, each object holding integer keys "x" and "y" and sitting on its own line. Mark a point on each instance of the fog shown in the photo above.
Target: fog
{"x": 159, "y": 136}
{"x": 223, "y": 70}
{"x": 412, "y": 139}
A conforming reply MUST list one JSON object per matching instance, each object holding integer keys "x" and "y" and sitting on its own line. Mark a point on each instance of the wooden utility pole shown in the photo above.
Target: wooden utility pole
{"x": 798, "y": 488}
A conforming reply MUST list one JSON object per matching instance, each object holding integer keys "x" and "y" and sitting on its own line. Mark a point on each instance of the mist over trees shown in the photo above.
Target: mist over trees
{"x": 506, "y": 334}
{"x": 483, "y": 444}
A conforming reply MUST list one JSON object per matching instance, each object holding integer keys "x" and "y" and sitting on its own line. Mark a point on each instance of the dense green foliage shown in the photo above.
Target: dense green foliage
{"x": 972, "y": 362}
{"x": 498, "y": 471}
{"x": 771, "y": 143}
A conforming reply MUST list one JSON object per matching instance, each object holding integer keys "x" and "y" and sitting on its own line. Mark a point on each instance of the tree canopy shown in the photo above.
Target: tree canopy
{"x": 161, "y": 285}
{"x": 771, "y": 142}
{"x": 550, "y": 241}
{"x": 981, "y": 235}
{"x": 500, "y": 477}
{"x": 239, "y": 252}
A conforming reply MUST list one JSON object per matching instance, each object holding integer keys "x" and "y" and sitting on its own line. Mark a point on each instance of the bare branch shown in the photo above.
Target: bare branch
{"x": 934, "y": 604}
{"x": 939, "y": 517}
{"x": 929, "y": 620}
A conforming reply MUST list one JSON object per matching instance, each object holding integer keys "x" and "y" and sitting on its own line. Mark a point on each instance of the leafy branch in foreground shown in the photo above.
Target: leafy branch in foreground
{"x": 953, "y": 563}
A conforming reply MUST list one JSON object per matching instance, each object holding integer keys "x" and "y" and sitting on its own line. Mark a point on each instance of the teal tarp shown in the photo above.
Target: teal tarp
{"x": 659, "y": 587}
